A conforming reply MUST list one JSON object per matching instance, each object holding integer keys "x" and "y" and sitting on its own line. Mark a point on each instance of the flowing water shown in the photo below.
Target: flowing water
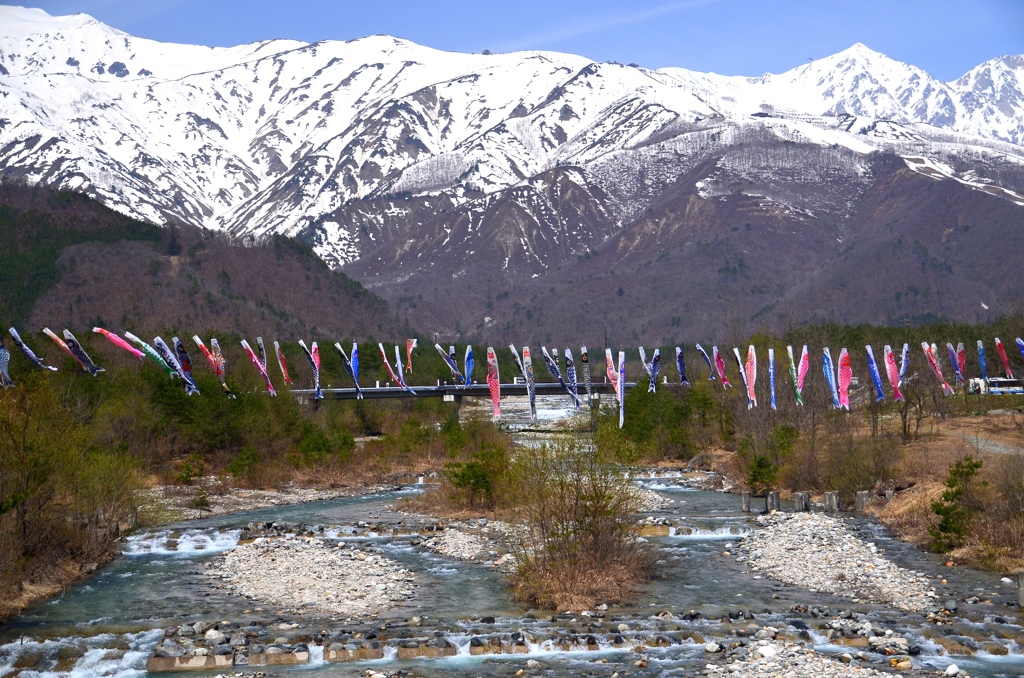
{"x": 109, "y": 625}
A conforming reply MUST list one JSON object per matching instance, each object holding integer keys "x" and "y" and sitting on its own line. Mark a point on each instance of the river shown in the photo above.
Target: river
{"x": 109, "y": 625}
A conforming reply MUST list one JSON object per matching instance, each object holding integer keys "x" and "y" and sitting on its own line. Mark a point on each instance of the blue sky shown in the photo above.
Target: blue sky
{"x": 734, "y": 37}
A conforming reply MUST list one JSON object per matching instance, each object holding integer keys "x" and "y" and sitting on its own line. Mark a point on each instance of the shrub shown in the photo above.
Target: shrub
{"x": 245, "y": 460}
{"x": 480, "y": 478}
{"x": 191, "y": 469}
{"x": 954, "y": 507}
{"x": 579, "y": 547}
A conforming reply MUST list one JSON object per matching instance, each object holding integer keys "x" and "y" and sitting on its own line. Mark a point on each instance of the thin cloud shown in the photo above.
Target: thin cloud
{"x": 577, "y": 29}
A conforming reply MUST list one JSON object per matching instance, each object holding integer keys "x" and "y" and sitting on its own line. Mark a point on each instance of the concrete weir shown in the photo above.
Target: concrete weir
{"x": 190, "y": 663}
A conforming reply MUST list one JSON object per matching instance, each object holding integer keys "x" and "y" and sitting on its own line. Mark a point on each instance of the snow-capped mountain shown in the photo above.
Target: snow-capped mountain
{"x": 388, "y": 156}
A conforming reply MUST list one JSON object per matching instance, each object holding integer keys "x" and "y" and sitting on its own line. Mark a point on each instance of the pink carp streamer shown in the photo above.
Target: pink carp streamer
{"x": 1002, "y": 356}
{"x": 119, "y": 342}
{"x": 720, "y": 367}
{"x": 892, "y": 371}
{"x": 493, "y": 381}
{"x": 751, "y": 371}
{"x": 845, "y": 377}
{"x": 933, "y": 363}
{"x": 387, "y": 364}
{"x": 216, "y": 365}
{"x": 410, "y": 346}
{"x": 622, "y": 388}
{"x": 282, "y": 363}
{"x": 259, "y": 367}
{"x": 613, "y": 375}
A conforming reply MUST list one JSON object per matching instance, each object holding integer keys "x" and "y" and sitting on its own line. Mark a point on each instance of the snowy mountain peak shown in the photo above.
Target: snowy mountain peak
{"x": 280, "y": 136}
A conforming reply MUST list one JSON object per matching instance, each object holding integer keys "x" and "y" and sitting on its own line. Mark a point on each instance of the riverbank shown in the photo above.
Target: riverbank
{"x": 209, "y": 497}
{"x": 166, "y": 504}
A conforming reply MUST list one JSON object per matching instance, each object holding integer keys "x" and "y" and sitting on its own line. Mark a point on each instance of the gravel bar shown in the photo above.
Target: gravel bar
{"x": 818, "y": 552}
{"x": 308, "y": 575}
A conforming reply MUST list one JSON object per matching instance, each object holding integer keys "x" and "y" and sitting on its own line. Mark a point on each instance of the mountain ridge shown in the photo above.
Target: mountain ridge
{"x": 402, "y": 164}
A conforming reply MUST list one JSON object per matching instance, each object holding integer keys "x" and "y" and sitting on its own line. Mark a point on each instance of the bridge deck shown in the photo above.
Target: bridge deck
{"x": 474, "y": 391}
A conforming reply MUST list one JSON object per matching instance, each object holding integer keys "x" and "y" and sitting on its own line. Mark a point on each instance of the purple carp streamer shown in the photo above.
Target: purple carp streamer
{"x": 892, "y": 371}
{"x": 515, "y": 356}
{"x": 119, "y": 342}
{"x": 494, "y": 381}
{"x": 622, "y": 388}
{"x": 613, "y": 374}
{"x": 876, "y": 378}
{"x": 349, "y": 365}
{"x": 830, "y": 376}
{"x": 570, "y": 373}
{"x": 1002, "y": 357}
{"x": 751, "y": 377}
{"x": 644, "y": 363}
{"x": 168, "y": 357}
{"x": 651, "y": 368}
{"x": 904, "y": 362}
{"x": 282, "y": 363}
{"x": 152, "y": 354}
{"x": 262, "y": 353}
{"x": 32, "y": 357}
{"x": 84, "y": 360}
{"x": 771, "y": 376}
{"x": 401, "y": 371}
{"x": 313, "y": 356}
{"x": 655, "y": 367}
{"x": 64, "y": 347}
{"x": 556, "y": 372}
{"x": 184, "y": 360}
{"x": 933, "y": 363}
{"x": 355, "y": 362}
{"x": 955, "y": 364}
{"x": 982, "y": 363}
{"x": 468, "y": 363}
{"x": 681, "y": 366}
{"x": 845, "y": 378}
{"x": 961, "y": 360}
{"x": 1020, "y": 345}
{"x": 720, "y": 366}
{"x": 449, "y": 360}
{"x": 707, "y": 359}
{"x": 5, "y": 362}
{"x": 585, "y": 362}
{"x": 259, "y": 367}
{"x": 531, "y": 384}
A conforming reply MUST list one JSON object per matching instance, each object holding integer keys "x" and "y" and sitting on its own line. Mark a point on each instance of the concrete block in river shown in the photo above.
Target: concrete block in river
{"x": 279, "y": 659}
{"x": 190, "y": 663}
{"x": 337, "y": 652}
{"x": 654, "y": 531}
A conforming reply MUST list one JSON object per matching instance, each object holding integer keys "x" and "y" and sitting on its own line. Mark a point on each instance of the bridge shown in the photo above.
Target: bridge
{"x": 453, "y": 391}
